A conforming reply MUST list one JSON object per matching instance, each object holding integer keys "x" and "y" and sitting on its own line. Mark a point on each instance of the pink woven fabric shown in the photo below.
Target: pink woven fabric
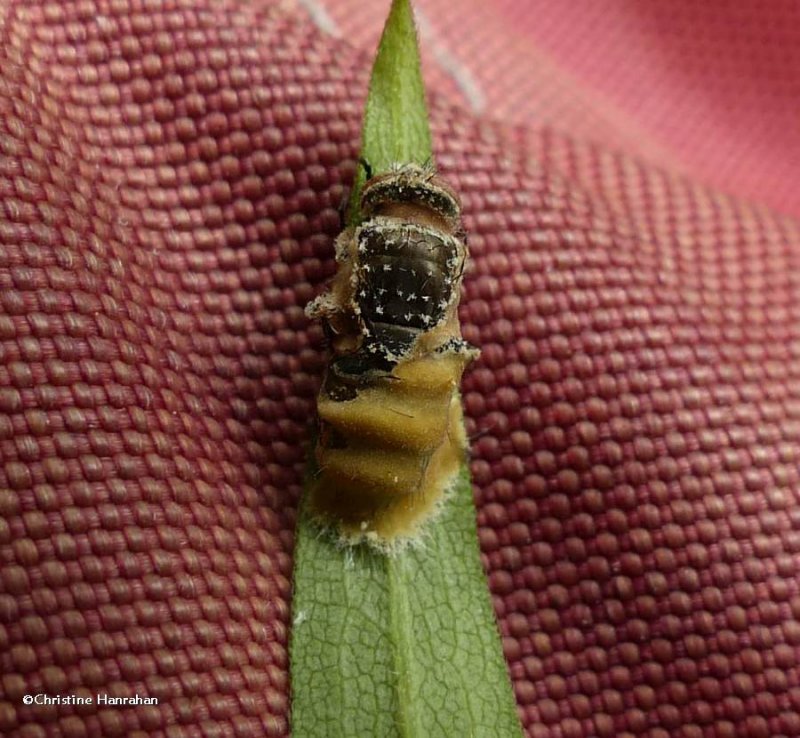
{"x": 170, "y": 173}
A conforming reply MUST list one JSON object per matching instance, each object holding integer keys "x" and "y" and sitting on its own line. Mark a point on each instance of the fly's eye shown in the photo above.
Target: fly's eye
{"x": 410, "y": 186}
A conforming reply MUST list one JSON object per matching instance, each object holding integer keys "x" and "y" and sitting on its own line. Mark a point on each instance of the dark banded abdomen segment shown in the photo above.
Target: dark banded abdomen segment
{"x": 406, "y": 276}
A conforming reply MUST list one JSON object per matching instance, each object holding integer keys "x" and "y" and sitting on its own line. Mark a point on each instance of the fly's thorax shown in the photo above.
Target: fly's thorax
{"x": 407, "y": 275}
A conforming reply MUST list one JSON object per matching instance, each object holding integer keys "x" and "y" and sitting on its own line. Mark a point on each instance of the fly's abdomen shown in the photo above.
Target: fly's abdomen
{"x": 387, "y": 455}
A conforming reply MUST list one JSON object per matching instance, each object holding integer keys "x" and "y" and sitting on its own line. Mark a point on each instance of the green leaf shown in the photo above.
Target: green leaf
{"x": 396, "y": 119}
{"x": 402, "y": 645}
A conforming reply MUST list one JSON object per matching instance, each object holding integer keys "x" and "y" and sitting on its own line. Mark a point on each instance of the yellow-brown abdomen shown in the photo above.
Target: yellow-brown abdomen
{"x": 387, "y": 456}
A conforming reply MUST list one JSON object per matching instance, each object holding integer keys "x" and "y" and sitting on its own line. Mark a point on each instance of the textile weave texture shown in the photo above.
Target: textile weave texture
{"x": 171, "y": 173}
